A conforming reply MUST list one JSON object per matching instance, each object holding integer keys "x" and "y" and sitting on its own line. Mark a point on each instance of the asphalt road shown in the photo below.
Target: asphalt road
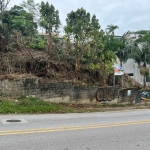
{"x": 121, "y": 130}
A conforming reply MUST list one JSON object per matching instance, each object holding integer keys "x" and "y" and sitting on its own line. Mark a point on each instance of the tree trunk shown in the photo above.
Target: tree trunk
{"x": 104, "y": 75}
{"x": 31, "y": 38}
{"x": 49, "y": 44}
{"x": 144, "y": 81}
{"x": 113, "y": 33}
{"x": 76, "y": 62}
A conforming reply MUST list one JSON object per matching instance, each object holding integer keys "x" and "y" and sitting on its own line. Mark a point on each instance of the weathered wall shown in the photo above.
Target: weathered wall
{"x": 54, "y": 92}
{"x": 128, "y": 95}
{"x": 63, "y": 91}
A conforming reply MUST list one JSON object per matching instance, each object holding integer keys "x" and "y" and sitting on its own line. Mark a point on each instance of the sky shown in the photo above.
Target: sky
{"x": 129, "y": 15}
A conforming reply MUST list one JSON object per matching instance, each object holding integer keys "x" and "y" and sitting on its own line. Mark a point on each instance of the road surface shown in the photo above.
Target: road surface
{"x": 121, "y": 130}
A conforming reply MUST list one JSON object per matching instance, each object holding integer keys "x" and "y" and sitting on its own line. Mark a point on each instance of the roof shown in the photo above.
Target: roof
{"x": 46, "y": 34}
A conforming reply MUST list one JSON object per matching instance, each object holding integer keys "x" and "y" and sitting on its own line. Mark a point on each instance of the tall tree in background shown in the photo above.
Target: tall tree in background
{"x": 19, "y": 26}
{"x": 3, "y": 31}
{"x": 111, "y": 28}
{"x": 20, "y": 20}
{"x": 111, "y": 43}
{"x": 50, "y": 21}
{"x": 123, "y": 46}
{"x": 31, "y": 8}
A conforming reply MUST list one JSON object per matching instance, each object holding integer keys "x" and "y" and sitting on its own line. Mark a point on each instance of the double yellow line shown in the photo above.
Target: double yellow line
{"x": 59, "y": 129}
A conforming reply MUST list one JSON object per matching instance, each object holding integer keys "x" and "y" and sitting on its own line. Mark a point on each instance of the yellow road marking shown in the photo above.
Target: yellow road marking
{"x": 59, "y": 129}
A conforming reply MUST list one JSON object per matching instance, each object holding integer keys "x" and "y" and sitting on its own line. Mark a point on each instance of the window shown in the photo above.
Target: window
{"x": 130, "y": 74}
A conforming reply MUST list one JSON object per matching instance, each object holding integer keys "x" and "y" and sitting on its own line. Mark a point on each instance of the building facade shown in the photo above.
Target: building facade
{"x": 130, "y": 67}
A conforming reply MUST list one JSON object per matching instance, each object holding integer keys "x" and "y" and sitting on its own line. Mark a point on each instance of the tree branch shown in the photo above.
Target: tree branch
{"x": 3, "y": 4}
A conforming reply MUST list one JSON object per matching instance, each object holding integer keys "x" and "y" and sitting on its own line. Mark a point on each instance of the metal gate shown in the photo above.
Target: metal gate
{"x": 106, "y": 94}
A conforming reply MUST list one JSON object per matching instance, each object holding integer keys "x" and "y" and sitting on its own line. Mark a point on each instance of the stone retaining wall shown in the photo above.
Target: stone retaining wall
{"x": 54, "y": 92}
{"x": 57, "y": 92}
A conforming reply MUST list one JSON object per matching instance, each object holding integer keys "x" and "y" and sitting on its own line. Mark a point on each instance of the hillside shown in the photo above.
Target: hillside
{"x": 31, "y": 63}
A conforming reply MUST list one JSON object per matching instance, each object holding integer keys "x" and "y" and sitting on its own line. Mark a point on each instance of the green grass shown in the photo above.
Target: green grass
{"x": 30, "y": 105}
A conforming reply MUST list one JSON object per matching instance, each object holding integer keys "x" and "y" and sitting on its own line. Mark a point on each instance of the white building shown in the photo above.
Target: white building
{"x": 130, "y": 67}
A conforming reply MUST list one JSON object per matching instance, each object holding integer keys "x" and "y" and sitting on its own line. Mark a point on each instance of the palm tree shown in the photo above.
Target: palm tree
{"x": 141, "y": 55}
{"x": 125, "y": 48}
{"x": 111, "y": 28}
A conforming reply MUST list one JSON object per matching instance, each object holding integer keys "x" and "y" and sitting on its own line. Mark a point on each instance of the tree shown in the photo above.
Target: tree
{"x": 125, "y": 48}
{"x": 143, "y": 32}
{"x": 31, "y": 7}
{"x": 50, "y": 21}
{"x": 108, "y": 56}
{"x": 20, "y": 20}
{"x": 76, "y": 30}
{"x": 111, "y": 28}
{"x": 18, "y": 25}
{"x": 3, "y": 6}
{"x": 84, "y": 32}
{"x": 111, "y": 43}
{"x": 93, "y": 44}
{"x": 141, "y": 55}
{"x": 3, "y": 31}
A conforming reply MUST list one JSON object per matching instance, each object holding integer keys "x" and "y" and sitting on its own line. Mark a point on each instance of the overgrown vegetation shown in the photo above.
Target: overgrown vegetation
{"x": 86, "y": 53}
{"x": 82, "y": 49}
{"x": 31, "y": 105}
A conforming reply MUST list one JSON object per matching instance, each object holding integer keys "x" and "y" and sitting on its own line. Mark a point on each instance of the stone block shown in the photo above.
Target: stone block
{"x": 58, "y": 99}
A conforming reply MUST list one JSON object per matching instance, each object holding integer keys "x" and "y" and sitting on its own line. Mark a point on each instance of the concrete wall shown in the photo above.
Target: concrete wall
{"x": 128, "y": 95}
{"x": 57, "y": 92}
{"x": 54, "y": 92}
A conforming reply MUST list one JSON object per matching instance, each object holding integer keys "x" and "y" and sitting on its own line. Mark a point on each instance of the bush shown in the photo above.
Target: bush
{"x": 38, "y": 43}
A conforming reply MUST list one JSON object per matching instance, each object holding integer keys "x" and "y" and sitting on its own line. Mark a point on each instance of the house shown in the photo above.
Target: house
{"x": 130, "y": 67}
{"x": 60, "y": 37}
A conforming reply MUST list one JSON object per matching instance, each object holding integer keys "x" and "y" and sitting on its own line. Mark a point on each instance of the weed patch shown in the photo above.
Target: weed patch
{"x": 30, "y": 105}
